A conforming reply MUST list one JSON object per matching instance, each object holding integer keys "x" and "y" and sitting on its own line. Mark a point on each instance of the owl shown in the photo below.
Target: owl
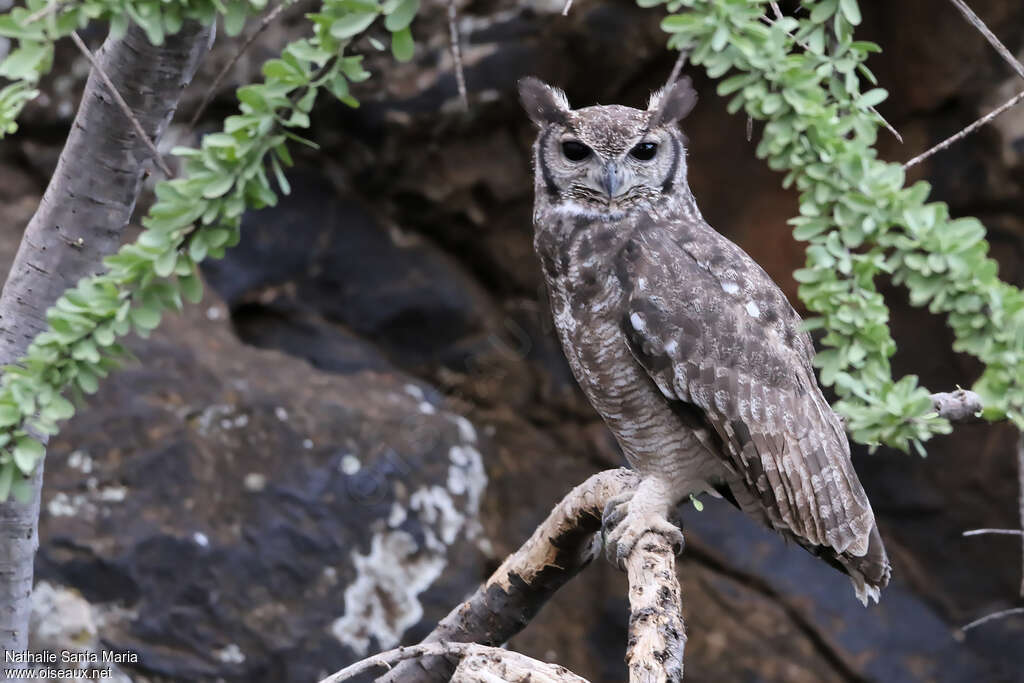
{"x": 690, "y": 353}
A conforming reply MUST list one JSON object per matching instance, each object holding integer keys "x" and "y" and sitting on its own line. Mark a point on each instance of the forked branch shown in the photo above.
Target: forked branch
{"x": 560, "y": 547}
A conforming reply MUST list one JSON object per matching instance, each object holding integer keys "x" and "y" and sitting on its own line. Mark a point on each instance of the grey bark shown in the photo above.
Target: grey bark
{"x": 79, "y": 221}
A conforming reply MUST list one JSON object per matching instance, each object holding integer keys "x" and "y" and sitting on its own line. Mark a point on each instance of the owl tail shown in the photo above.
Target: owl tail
{"x": 869, "y": 572}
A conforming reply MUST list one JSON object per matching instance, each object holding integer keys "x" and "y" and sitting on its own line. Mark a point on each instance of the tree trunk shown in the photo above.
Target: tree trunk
{"x": 79, "y": 221}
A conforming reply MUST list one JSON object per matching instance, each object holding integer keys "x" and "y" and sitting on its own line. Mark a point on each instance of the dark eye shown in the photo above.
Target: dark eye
{"x": 645, "y": 151}
{"x": 575, "y": 151}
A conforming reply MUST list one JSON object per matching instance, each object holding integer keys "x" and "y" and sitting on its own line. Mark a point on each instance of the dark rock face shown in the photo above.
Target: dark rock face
{"x": 370, "y": 410}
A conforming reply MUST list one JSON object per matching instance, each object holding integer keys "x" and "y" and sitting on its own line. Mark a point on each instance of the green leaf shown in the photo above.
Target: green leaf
{"x": 25, "y": 62}
{"x": 87, "y": 380}
{"x": 872, "y": 97}
{"x": 234, "y": 18}
{"x": 402, "y": 46}
{"x": 27, "y": 452}
{"x": 164, "y": 265}
{"x": 402, "y": 16}
{"x": 851, "y": 11}
{"x": 6, "y": 477}
{"x": 145, "y": 317}
{"x": 22, "y": 489}
{"x": 191, "y": 288}
{"x": 218, "y": 187}
{"x": 351, "y": 24}
{"x": 59, "y": 408}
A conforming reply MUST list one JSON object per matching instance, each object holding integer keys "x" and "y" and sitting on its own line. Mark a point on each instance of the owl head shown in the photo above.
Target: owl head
{"x": 608, "y": 160}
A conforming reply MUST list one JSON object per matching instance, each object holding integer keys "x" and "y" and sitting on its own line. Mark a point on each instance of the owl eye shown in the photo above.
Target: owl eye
{"x": 645, "y": 151}
{"x": 575, "y": 151}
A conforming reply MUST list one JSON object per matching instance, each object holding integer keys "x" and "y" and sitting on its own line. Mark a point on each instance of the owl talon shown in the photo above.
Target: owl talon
{"x": 623, "y": 528}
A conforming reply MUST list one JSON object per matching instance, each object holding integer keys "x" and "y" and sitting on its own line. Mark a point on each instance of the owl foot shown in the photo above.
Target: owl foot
{"x": 624, "y": 522}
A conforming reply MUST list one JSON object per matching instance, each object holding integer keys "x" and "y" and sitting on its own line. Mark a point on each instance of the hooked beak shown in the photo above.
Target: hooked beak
{"x": 611, "y": 179}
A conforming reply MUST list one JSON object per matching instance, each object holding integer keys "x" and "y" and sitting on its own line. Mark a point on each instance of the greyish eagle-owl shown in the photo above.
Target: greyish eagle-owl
{"x": 684, "y": 345}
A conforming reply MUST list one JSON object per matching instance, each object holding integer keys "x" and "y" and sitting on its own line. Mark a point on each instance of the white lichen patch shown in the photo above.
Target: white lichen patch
{"x": 383, "y": 601}
{"x": 414, "y": 391}
{"x": 230, "y": 654}
{"x": 63, "y": 505}
{"x": 201, "y": 539}
{"x": 397, "y": 515}
{"x": 255, "y": 481}
{"x": 350, "y": 464}
{"x": 81, "y": 461}
{"x": 113, "y": 494}
{"x": 307, "y": 444}
{"x": 467, "y": 432}
{"x": 730, "y": 287}
{"x": 427, "y": 408}
{"x": 281, "y": 414}
{"x": 442, "y": 520}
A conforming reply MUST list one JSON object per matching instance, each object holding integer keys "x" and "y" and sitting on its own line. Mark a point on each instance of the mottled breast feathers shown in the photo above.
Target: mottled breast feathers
{"x": 715, "y": 333}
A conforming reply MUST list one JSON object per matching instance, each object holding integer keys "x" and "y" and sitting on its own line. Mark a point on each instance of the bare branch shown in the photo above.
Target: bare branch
{"x": 478, "y": 663}
{"x": 657, "y": 635}
{"x": 1006, "y": 106}
{"x": 50, "y": 8}
{"x": 157, "y": 159}
{"x": 568, "y": 6}
{"x": 958, "y": 406}
{"x": 1007, "y": 532}
{"x": 993, "y": 616}
{"x": 222, "y": 74}
{"x": 559, "y": 548}
{"x": 453, "y": 36}
{"x": 989, "y": 36}
{"x": 491, "y": 665}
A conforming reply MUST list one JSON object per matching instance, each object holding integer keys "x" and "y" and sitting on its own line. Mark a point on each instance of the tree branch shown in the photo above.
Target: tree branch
{"x": 477, "y": 664}
{"x": 958, "y": 406}
{"x": 222, "y": 74}
{"x": 87, "y": 203}
{"x": 657, "y": 635}
{"x": 122, "y": 105}
{"x": 560, "y": 547}
{"x": 989, "y": 36}
{"x": 1004, "y": 107}
{"x": 456, "y": 48}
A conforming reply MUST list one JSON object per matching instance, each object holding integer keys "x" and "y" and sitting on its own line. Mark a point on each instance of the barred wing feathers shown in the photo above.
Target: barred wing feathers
{"x": 713, "y": 331}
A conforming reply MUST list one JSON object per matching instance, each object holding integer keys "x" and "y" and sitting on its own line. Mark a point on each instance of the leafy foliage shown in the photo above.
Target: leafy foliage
{"x": 195, "y": 217}
{"x": 802, "y": 76}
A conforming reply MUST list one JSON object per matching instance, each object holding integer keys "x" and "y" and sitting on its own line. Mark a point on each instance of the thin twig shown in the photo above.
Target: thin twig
{"x": 1009, "y": 104}
{"x": 1008, "y": 532}
{"x": 212, "y": 90}
{"x": 775, "y": 8}
{"x": 994, "y": 615}
{"x": 677, "y": 69}
{"x": 453, "y": 36}
{"x": 157, "y": 159}
{"x": 888, "y": 126}
{"x": 44, "y": 12}
{"x": 989, "y": 36}
{"x": 568, "y": 6}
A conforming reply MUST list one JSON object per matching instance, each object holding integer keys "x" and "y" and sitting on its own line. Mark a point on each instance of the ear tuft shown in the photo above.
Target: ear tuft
{"x": 673, "y": 103}
{"x": 543, "y": 104}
